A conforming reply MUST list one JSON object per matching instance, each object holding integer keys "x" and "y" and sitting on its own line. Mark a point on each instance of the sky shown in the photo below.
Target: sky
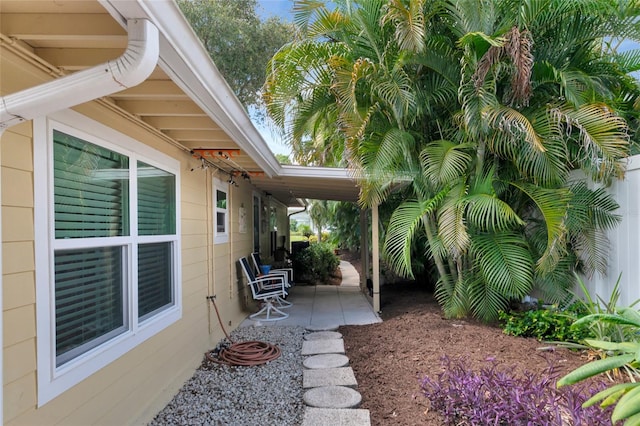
{"x": 267, "y": 8}
{"x": 280, "y": 8}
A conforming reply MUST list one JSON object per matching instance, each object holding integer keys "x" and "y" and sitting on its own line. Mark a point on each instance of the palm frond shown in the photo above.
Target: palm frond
{"x": 506, "y": 266}
{"x": 552, "y": 205}
{"x": 303, "y": 11}
{"x": 451, "y": 222}
{"x": 327, "y": 23}
{"x": 405, "y": 222}
{"x": 601, "y": 137}
{"x": 489, "y": 213}
{"x": 484, "y": 300}
{"x": 444, "y": 161}
{"x": 453, "y": 298}
{"x": 548, "y": 167}
{"x": 397, "y": 95}
{"x": 554, "y": 285}
{"x": 629, "y": 61}
{"x": 591, "y": 212}
{"x": 514, "y": 124}
{"x": 467, "y": 20}
{"x": 396, "y": 152}
{"x": 408, "y": 20}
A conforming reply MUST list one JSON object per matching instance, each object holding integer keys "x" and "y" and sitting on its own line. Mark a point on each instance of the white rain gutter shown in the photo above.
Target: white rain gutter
{"x": 132, "y": 68}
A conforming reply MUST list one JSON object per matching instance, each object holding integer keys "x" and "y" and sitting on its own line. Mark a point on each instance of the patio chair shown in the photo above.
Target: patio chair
{"x": 266, "y": 289}
{"x": 281, "y": 302}
{"x": 257, "y": 262}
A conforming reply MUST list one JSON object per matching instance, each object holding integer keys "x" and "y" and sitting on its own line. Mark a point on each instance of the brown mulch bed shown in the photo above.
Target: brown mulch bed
{"x": 390, "y": 358}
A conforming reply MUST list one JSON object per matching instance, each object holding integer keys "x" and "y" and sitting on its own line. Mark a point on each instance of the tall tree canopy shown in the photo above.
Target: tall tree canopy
{"x": 239, "y": 43}
{"x": 486, "y": 110}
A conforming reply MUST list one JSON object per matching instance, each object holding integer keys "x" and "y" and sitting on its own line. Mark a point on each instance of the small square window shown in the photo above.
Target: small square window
{"x": 221, "y": 213}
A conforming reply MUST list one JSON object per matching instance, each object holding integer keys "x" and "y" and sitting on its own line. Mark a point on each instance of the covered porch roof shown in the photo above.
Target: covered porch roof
{"x": 292, "y": 183}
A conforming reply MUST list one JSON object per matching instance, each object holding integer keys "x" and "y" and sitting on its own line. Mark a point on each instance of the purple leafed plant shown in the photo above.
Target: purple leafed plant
{"x": 495, "y": 396}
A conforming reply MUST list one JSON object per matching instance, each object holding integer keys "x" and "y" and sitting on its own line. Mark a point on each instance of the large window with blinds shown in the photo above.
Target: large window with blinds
{"x": 109, "y": 268}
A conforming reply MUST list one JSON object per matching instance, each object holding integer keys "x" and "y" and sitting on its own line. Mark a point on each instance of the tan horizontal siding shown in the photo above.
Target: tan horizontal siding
{"x": 19, "y": 289}
{"x": 22, "y": 359}
{"x": 135, "y": 386}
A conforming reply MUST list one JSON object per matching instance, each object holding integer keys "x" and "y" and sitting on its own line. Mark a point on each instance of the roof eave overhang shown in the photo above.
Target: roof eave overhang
{"x": 185, "y": 60}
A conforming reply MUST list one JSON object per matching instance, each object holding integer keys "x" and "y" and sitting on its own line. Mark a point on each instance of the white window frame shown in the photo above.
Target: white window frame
{"x": 53, "y": 380}
{"x": 220, "y": 237}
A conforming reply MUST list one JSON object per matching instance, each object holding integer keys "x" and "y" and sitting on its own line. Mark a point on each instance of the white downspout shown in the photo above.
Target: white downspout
{"x": 133, "y": 67}
{"x": 130, "y": 69}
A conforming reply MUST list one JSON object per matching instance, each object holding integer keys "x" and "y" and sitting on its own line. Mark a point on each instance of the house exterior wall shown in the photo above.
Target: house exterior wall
{"x": 282, "y": 223}
{"x": 134, "y": 387}
{"x": 624, "y": 253}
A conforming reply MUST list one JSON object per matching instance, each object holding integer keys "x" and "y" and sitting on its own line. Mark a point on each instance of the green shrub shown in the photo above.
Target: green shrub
{"x": 305, "y": 230}
{"x": 545, "y": 324}
{"x": 316, "y": 263}
{"x": 609, "y": 331}
{"x": 314, "y": 238}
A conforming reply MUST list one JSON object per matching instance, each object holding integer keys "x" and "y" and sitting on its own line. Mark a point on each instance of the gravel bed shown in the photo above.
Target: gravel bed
{"x": 268, "y": 394}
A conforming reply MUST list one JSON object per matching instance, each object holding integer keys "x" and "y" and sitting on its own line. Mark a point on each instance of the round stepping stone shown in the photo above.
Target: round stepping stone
{"x": 316, "y": 362}
{"x": 323, "y": 335}
{"x": 322, "y": 327}
{"x": 332, "y": 397}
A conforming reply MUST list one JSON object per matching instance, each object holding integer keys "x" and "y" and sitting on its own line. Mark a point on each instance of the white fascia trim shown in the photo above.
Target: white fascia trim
{"x": 185, "y": 60}
{"x": 316, "y": 172}
{"x": 133, "y": 67}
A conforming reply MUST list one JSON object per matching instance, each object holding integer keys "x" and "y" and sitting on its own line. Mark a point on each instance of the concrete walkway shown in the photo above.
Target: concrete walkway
{"x": 326, "y": 306}
{"x": 350, "y": 277}
{"x": 331, "y": 397}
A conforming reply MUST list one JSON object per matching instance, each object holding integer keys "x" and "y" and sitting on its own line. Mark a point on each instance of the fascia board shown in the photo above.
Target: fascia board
{"x": 185, "y": 60}
{"x": 317, "y": 172}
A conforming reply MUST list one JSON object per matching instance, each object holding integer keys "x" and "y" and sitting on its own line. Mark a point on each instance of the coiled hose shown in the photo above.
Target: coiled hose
{"x": 244, "y": 354}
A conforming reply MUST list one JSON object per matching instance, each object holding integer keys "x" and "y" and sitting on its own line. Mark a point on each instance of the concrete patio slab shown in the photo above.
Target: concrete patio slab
{"x": 325, "y": 307}
{"x": 332, "y": 397}
{"x": 330, "y": 327}
{"x": 316, "y": 347}
{"x": 342, "y": 376}
{"x": 316, "y": 362}
{"x": 335, "y": 417}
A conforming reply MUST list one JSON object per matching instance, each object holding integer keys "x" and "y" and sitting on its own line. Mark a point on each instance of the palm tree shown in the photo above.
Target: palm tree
{"x": 320, "y": 213}
{"x": 487, "y": 109}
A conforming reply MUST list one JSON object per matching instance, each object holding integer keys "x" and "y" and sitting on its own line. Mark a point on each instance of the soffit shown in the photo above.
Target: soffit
{"x": 66, "y": 36}
{"x": 318, "y": 183}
